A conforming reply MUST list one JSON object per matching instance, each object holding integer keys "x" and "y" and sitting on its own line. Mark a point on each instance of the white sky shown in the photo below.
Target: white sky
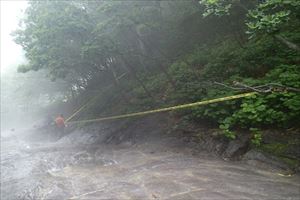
{"x": 11, "y": 53}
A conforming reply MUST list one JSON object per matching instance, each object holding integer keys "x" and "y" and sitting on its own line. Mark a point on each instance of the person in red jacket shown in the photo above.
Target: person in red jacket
{"x": 60, "y": 124}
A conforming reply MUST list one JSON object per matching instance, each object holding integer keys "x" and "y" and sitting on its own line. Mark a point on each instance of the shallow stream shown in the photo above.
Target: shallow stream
{"x": 74, "y": 167}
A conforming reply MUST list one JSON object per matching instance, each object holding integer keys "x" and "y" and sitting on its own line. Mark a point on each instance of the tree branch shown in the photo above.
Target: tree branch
{"x": 260, "y": 88}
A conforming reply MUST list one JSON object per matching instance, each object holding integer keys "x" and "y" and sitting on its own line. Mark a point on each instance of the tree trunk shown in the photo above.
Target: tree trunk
{"x": 164, "y": 71}
{"x": 133, "y": 73}
{"x": 142, "y": 49}
{"x": 117, "y": 84}
{"x": 287, "y": 43}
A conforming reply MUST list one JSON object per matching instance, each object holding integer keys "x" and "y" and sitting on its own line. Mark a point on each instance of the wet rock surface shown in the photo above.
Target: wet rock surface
{"x": 136, "y": 163}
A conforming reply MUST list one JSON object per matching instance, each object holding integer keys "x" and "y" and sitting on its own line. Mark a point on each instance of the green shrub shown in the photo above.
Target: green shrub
{"x": 257, "y": 136}
{"x": 279, "y": 108}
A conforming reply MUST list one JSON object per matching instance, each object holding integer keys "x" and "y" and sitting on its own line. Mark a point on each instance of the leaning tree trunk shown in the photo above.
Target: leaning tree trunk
{"x": 117, "y": 84}
{"x": 287, "y": 43}
{"x": 133, "y": 73}
{"x": 143, "y": 46}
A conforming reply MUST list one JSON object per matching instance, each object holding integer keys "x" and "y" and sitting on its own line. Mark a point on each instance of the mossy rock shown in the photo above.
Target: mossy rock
{"x": 277, "y": 149}
{"x": 293, "y": 163}
{"x": 282, "y": 152}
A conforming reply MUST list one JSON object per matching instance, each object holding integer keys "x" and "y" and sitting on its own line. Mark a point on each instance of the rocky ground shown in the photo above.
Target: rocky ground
{"x": 136, "y": 160}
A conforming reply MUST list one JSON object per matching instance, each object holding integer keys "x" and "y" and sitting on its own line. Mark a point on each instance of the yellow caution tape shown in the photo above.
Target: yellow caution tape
{"x": 167, "y": 109}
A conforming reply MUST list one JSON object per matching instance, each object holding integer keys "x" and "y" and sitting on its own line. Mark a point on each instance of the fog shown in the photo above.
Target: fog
{"x": 11, "y": 56}
{"x": 25, "y": 98}
{"x": 138, "y": 99}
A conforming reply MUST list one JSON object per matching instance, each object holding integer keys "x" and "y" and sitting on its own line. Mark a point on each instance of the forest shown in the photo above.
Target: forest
{"x": 131, "y": 56}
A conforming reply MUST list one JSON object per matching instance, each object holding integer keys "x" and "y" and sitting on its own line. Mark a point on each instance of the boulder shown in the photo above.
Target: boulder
{"x": 260, "y": 159}
{"x": 237, "y": 147}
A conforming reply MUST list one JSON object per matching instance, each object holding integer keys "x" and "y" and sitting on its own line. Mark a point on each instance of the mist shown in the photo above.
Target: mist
{"x": 146, "y": 99}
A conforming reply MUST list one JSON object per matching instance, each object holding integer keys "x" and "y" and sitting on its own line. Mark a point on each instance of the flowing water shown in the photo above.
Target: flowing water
{"x": 77, "y": 167}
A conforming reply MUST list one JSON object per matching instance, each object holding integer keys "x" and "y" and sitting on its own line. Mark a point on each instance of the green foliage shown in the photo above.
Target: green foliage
{"x": 188, "y": 86}
{"x": 272, "y": 15}
{"x": 227, "y": 133}
{"x": 170, "y": 55}
{"x": 279, "y": 108}
{"x": 257, "y": 136}
{"x": 216, "y": 7}
{"x": 52, "y": 34}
